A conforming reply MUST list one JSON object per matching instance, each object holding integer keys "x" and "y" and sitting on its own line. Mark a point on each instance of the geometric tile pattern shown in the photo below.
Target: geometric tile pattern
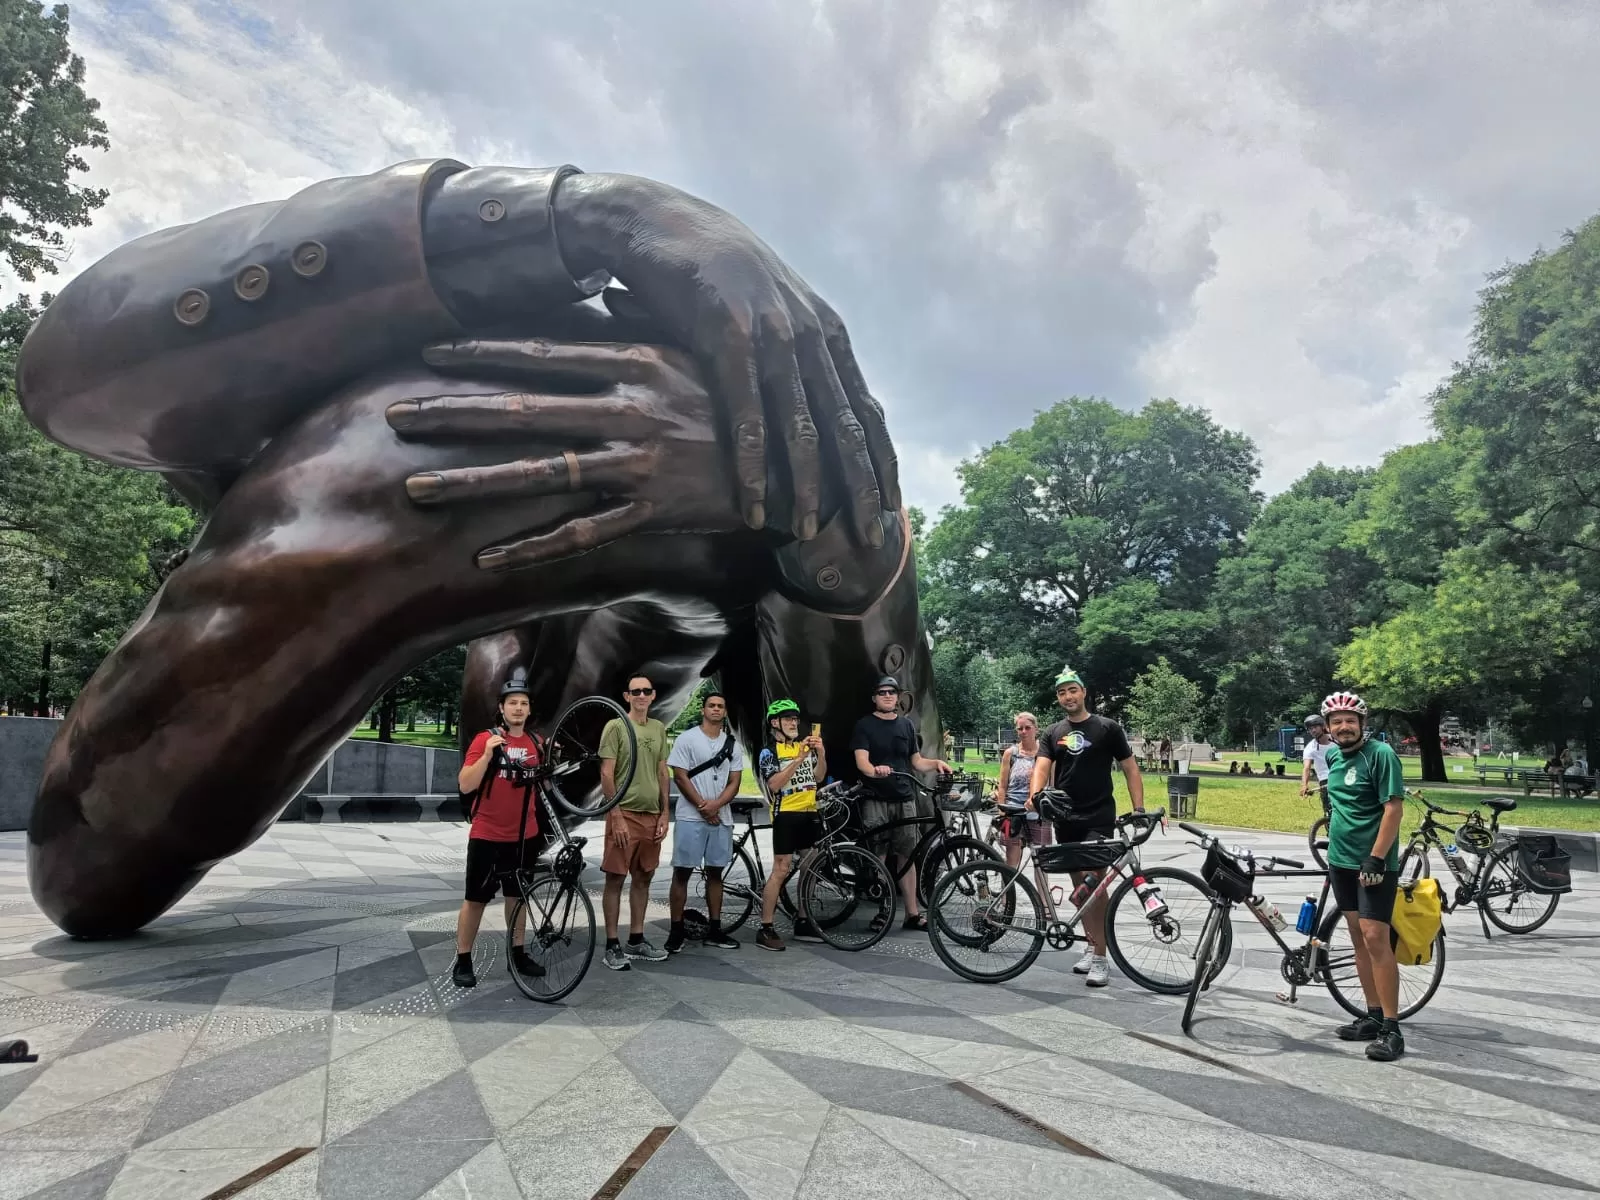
{"x": 300, "y": 998}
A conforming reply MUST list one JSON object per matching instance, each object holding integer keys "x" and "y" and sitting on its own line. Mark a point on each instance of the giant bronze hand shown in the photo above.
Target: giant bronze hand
{"x": 317, "y": 582}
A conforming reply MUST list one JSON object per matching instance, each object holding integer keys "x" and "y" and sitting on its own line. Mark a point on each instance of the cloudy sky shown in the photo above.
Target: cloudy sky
{"x": 1279, "y": 211}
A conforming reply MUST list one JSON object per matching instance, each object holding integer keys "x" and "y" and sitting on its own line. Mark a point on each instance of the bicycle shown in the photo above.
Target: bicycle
{"x": 1230, "y": 877}
{"x": 977, "y": 908}
{"x": 842, "y": 876}
{"x": 1494, "y": 878}
{"x": 560, "y": 936}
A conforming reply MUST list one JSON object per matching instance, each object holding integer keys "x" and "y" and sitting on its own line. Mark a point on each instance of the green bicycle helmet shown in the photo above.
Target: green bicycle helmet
{"x": 778, "y": 707}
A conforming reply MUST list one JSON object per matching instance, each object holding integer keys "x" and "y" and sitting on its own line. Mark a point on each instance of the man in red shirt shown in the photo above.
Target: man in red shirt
{"x": 493, "y": 851}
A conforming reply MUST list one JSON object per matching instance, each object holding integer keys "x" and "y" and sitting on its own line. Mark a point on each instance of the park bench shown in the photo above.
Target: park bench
{"x": 1484, "y": 772}
{"x": 1568, "y": 785}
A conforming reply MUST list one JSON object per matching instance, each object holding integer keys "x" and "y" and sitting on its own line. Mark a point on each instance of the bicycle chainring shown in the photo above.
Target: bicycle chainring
{"x": 568, "y": 864}
{"x": 1059, "y": 936}
{"x": 1294, "y": 968}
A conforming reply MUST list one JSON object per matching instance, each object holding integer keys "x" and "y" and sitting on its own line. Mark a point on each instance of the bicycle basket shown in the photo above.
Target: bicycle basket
{"x": 1544, "y": 866}
{"x": 1474, "y": 836}
{"x": 1229, "y": 877}
{"x": 1079, "y": 856}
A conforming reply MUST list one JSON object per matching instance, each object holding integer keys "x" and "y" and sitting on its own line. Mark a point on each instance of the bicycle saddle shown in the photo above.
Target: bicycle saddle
{"x": 744, "y": 805}
{"x": 1500, "y": 804}
{"x": 1010, "y": 809}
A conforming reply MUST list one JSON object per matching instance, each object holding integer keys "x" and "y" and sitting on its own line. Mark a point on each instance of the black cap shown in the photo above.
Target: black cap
{"x": 887, "y": 681}
{"x": 517, "y": 684}
{"x": 1314, "y": 719}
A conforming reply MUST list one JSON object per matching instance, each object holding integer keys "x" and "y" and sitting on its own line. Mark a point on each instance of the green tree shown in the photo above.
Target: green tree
{"x": 46, "y": 119}
{"x": 1061, "y": 513}
{"x": 1486, "y": 630}
{"x": 1163, "y": 704}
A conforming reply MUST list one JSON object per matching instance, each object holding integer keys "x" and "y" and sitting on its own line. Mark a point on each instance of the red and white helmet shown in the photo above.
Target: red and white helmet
{"x": 1344, "y": 702}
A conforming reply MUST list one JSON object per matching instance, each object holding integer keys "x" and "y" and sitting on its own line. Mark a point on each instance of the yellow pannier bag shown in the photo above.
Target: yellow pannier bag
{"x": 1418, "y": 913}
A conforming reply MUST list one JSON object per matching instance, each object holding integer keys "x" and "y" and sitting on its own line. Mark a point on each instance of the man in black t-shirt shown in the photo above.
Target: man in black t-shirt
{"x": 883, "y": 742}
{"x": 1075, "y": 756}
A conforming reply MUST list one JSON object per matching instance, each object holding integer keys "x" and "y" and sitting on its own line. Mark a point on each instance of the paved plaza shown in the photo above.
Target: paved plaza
{"x": 297, "y": 1008}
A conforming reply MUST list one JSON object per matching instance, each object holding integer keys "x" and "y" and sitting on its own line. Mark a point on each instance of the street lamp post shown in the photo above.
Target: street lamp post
{"x": 42, "y": 709}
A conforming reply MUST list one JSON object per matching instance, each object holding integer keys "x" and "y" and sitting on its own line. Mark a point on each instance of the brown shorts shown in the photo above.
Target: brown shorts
{"x": 642, "y": 850}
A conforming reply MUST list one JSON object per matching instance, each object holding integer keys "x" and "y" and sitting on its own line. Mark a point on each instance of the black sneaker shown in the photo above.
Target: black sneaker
{"x": 524, "y": 965}
{"x": 768, "y": 939}
{"x": 1362, "y": 1029}
{"x": 675, "y": 939}
{"x": 717, "y": 939}
{"x": 463, "y": 976}
{"x": 1388, "y": 1045}
{"x": 805, "y": 931}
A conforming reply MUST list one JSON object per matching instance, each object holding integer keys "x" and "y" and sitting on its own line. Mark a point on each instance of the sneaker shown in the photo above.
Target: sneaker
{"x": 524, "y": 964}
{"x": 805, "y": 931}
{"x": 645, "y": 951}
{"x": 675, "y": 939}
{"x": 1388, "y": 1045}
{"x": 463, "y": 976}
{"x": 1362, "y": 1029}
{"x": 719, "y": 940}
{"x": 616, "y": 959}
{"x": 768, "y": 939}
{"x": 1081, "y": 967}
{"x": 1099, "y": 973}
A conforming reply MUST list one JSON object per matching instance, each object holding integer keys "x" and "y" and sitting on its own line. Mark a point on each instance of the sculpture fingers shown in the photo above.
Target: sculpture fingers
{"x": 577, "y": 536}
{"x": 867, "y": 410}
{"x": 786, "y": 405}
{"x": 738, "y": 388}
{"x": 517, "y": 414}
{"x": 833, "y": 410}
{"x": 617, "y": 468}
{"x": 595, "y": 364}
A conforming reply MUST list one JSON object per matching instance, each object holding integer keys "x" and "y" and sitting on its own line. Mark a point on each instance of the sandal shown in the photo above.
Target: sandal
{"x": 918, "y": 922}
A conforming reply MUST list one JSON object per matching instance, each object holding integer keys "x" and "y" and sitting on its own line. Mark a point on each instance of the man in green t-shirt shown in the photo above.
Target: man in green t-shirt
{"x": 1366, "y": 799}
{"x": 637, "y": 825}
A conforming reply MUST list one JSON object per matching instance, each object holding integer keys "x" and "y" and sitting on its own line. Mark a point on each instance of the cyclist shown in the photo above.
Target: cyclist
{"x": 1318, "y": 744}
{"x": 789, "y": 767}
{"x": 493, "y": 854}
{"x": 1366, "y": 798}
{"x": 1016, "y": 774}
{"x": 1075, "y": 756}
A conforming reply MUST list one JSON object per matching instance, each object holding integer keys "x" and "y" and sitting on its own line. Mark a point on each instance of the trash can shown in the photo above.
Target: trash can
{"x": 1183, "y": 793}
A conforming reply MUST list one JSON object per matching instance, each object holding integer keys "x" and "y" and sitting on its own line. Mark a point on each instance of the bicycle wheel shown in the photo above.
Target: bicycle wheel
{"x": 560, "y": 937}
{"x": 948, "y": 853}
{"x": 986, "y": 922}
{"x": 1205, "y": 973}
{"x": 1508, "y": 901}
{"x": 1166, "y": 947}
{"x": 1319, "y": 831}
{"x": 1337, "y": 963}
{"x": 572, "y": 751}
{"x": 848, "y": 895}
{"x": 741, "y": 890}
{"x": 1415, "y": 864}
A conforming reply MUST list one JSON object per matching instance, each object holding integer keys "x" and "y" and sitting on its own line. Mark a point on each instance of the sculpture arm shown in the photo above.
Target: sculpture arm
{"x": 208, "y": 339}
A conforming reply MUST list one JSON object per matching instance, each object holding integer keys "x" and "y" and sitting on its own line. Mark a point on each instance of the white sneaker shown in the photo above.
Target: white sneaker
{"x": 1099, "y": 972}
{"x": 1081, "y": 967}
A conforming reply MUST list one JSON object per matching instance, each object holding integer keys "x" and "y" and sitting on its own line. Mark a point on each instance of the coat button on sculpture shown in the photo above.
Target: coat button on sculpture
{"x": 251, "y": 282}
{"x": 192, "y": 306}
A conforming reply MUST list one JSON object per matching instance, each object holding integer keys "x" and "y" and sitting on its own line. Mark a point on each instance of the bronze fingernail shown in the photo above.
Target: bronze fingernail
{"x": 808, "y": 527}
{"x": 402, "y": 414}
{"x": 490, "y": 559}
{"x": 439, "y": 354}
{"x": 875, "y": 535}
{"x": 756, "y": 516}
{"x": 425, "y": 487}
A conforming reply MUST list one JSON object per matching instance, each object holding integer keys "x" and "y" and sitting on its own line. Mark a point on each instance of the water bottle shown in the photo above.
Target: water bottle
{"x": 1084, "y": 890}
{"x": 1149, "y": 896}
{"x": 1271, "y": 915}
{"x": 1306, "y": 922}
{"x": 1452, "y": 851}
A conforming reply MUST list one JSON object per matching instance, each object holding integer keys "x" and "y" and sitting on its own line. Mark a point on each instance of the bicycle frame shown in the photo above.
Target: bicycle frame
{"x": 1303, "y": 974}
{"x": 1061, "y": 934}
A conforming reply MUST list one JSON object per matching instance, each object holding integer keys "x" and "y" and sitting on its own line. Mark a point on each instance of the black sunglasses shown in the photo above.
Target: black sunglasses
{"x": 885, "y": 692}
{"x": 641, "y": 691}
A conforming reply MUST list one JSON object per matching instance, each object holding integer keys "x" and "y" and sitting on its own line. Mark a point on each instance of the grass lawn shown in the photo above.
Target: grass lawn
{"x": 425, "y": 735}
{"x": 1460, "y": 770}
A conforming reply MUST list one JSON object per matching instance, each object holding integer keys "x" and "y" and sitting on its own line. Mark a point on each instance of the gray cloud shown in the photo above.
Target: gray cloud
{"x": 1280, "y": 212}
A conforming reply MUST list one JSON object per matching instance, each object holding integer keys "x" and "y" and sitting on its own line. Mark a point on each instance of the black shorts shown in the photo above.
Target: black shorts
{"x": 793, "y": 832}
{"x": 1068, "y": 832}
{"x": 1373, "y": 903}
{"x": 488, "y": 861}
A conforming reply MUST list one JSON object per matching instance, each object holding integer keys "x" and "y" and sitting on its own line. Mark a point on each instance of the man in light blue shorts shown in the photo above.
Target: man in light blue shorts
{"x": 706, "y": 765}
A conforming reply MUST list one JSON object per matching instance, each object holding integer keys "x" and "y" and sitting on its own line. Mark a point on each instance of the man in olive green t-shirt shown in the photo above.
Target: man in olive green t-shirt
{"x": 637, "y": 825}
{"x": 1366, "y": 801}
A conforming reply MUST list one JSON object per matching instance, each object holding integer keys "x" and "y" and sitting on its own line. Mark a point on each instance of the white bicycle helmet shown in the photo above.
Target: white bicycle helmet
{"x": 1344, "y": 702}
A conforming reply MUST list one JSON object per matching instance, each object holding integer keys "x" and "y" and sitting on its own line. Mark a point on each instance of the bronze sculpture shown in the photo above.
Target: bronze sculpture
{"x": 366, "y": 511}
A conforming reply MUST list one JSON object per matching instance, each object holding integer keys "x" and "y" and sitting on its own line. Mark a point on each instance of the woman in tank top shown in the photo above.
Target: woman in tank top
{"x": 1016, "y": 773}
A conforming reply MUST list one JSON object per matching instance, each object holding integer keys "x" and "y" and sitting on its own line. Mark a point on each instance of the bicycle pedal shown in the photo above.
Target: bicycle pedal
{"x": 1286, "y": 998}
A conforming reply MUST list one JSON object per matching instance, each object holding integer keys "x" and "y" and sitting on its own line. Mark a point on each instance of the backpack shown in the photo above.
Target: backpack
{"x": 1418, "y": 916}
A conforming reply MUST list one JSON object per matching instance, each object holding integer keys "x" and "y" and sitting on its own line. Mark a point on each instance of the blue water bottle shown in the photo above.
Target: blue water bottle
{"x": 1306, "y": 922}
